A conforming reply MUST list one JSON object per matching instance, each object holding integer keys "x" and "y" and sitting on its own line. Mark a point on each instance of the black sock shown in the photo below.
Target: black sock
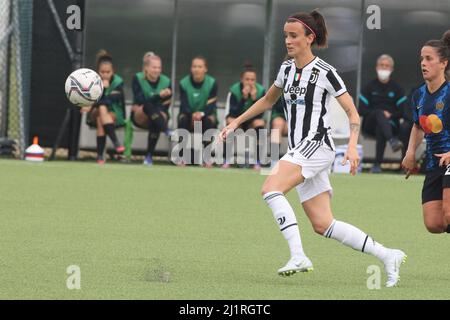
{"x": 258, "y": 140}
{"x": 184, "y": 121}
{"x": 448, "y": 229}
{"x": 159, "y": 122}
{"x": 111, "y": 132}
{"x": 207, "y": 124}
{"x": 225, "y": 160}
{"x": 152, "y": 141}
{"x": 101, "y": 142}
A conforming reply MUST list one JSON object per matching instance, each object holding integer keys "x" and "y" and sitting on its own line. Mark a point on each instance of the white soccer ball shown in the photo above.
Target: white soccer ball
{"x": 84, "y": 87}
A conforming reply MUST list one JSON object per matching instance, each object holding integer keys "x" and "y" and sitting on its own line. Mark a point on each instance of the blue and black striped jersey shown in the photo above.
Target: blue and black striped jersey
{"x": 431, "y": 111}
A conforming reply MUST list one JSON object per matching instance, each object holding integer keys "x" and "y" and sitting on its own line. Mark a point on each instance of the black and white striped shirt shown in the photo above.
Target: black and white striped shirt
{"x": 307, "y": 93}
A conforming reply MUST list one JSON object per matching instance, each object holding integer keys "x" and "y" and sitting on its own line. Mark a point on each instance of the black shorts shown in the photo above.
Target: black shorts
{"x": 434, "y": 184}
{"x": 246, "y": 125}
{"x": 133, "y": 120}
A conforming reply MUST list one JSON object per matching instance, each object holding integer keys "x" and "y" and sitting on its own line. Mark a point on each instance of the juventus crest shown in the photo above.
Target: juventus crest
{"x": 314, "y": 76}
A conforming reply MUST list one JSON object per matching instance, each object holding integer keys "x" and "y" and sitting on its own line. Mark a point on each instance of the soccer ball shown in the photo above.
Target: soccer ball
{"x": 84, "y": 87}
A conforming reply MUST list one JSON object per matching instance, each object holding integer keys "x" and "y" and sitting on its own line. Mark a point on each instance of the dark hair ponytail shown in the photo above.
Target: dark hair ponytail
{"x": 321, "y": 29}
{"x": 103, "y": 57}
{"x": 442, "y": 48}
{"x": 313, "y": 23}
{"x": 446, "y": 40}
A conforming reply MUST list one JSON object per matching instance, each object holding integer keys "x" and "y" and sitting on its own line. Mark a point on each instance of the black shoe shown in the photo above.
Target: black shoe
{"x": 396, "y": 144}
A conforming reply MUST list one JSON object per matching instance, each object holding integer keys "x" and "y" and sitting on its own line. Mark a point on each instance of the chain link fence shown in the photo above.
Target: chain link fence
{"x": 15, "y": 67}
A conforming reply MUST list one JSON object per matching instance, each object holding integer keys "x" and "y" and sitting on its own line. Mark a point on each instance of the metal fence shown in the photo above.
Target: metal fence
{"x": 15, "y": 68}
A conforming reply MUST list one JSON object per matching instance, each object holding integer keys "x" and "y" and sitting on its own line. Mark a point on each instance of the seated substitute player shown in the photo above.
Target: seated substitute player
{"x": 431, "y": 110}
{"x": 278, "y": 124}
{"x": 109, "y": 111}
{"x": 242, "y": 95}
{"x": 152, "y": 96}
{"x": 382, "y": 102}
{"x": 307, "y": 83}
{"x": 198, "y": 97}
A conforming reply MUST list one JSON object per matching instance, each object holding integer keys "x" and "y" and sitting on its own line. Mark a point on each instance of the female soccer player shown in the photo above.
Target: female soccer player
{"x": 198, "y": 97}
{"x": 431, "y": 111}
{"x": 152, "y": 94}
{"x": 243, "y": 94}
{"x": 109, "y": 111}
{"x": 307, "y": 83}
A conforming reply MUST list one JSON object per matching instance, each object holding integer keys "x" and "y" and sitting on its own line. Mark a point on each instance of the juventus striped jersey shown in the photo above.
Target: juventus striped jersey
{"x": 307, "y": 93}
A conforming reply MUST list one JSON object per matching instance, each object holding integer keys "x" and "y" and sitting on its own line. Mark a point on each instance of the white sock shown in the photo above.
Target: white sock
{"x": 355, "y": 238}
{"x": 285, "y": 217}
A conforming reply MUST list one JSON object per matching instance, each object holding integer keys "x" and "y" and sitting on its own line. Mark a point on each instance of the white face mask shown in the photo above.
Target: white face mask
{"x": 384, "y": 75}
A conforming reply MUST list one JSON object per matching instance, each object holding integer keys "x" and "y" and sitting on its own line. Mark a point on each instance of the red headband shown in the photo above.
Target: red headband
{"x": 304, "y": 24}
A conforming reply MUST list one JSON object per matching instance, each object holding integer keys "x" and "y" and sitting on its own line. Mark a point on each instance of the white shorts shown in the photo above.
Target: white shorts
{"x": 315, "y": 169}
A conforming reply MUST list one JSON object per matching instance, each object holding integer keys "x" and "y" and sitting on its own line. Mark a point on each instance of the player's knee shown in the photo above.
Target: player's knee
{"x": 267, "y": 187}
{"x": 229, "y": 120}
{"x": 434, "y": 228}
{"x": 103, "y": 109}
{"x": 259, "y": 124}
{"x": 320, "y": 228}
{"x": 277, "y": 123}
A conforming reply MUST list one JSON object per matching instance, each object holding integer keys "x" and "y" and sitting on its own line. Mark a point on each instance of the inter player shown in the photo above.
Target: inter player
{"x": 152, "y": 96}
{"x": 243, "y": 94}
{"x": 307, "y": 83}
{"x": 109, "y": 111}
{"x": 431, "y": 111}
{"x": 198, "y": 98}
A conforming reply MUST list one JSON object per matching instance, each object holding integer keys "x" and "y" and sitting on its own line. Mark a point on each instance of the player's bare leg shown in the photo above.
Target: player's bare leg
{"x": 433, "y": 216}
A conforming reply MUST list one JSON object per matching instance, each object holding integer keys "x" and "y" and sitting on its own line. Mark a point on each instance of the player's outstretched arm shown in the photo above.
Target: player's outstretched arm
{"x": 415, "y": 139}
{"x": 346, "y": 102}
{"x": 266, "y": 102}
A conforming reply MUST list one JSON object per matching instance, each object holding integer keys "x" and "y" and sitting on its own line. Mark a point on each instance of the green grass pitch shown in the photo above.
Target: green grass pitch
{"x": 192, "y": 233}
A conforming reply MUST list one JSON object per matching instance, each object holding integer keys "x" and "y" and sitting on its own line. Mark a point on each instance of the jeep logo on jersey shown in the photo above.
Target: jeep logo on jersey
{"x": 314, "y": 76}
{"x": 295, "y": 90}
